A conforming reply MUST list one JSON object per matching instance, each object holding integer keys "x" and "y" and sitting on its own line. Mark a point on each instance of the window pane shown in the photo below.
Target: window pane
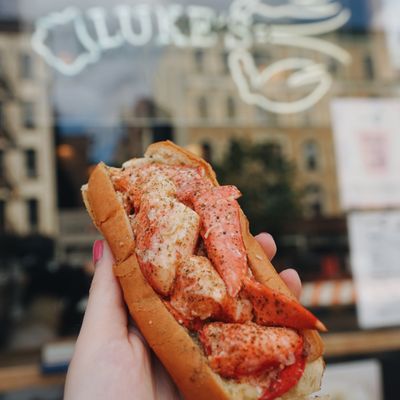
{"x": 2, "y": 215}
{"x": 1, "y": 164}
{"x": 310, "y": 154}
{"x": 30, "y": 163}
{"x": 199, "y": 60}
{"x": 28, "y": 115}
{"x": 225, "y": 62}
{"x": 33, "y": 217}
{"x": 26, "y": 66}
{"x": 207, "y": 151}
{"x": 368, "y": 67}
{"x": 314, "y": 200}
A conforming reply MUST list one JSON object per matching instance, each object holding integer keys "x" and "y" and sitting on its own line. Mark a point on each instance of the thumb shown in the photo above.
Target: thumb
{"x": 105, "y": 313}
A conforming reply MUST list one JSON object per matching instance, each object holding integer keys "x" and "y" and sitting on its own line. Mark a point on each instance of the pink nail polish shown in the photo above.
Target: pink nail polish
{"x": 97, "y": 250}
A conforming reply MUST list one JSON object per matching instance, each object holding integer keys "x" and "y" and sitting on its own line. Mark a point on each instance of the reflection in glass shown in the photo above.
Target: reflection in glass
{"x": 314, "y": 199}
{"x": 28, "y": 115}
{"x": 311, "y": 155}
{"x": 30, "y": 163}
{"x": 26, "y": 66}
{"x": 33, "y": 214}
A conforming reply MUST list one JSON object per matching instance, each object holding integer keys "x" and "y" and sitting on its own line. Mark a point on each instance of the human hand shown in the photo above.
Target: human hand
{"x": 111, "y": 359}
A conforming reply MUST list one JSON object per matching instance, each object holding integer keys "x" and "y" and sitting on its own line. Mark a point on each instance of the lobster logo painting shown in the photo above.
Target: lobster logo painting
{"x": 296, "y": 24}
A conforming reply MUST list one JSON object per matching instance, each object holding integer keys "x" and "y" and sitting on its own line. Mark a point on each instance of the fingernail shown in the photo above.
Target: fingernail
{"x": 265, "y": 235}
{"x": 97, "y": 250}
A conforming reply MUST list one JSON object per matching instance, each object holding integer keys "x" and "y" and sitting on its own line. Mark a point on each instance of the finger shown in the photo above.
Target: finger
{"x": 267, "y": 243}
{"x": 105, "y": 313}
{"x": 292, "y": 280}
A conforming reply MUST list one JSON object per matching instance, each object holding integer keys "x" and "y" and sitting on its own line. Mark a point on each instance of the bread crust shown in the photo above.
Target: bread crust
{"x": 172, "y": 343}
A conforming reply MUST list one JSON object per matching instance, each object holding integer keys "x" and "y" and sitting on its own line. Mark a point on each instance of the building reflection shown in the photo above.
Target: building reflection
{"x": 145, "y": 123}
{"x": 45, "y": 232}
{"x": 27, "y": 170}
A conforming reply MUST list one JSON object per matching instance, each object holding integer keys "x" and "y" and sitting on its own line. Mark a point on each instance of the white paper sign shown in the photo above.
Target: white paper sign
{"x": 357, "y": 380}
{"x": 367, "y": 144}
{"x": 375, "y": 259}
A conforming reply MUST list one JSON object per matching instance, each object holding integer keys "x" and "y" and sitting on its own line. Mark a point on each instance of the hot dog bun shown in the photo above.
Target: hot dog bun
{"x": 180, "y": 353}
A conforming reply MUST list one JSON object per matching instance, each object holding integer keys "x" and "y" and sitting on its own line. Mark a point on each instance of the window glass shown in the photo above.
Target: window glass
{"x": 2, "y": 215}
{"x": 207, "y": 151}
{"x": 314, "y": 200}
{"x": 28, "y": 115}
{"x": 311, "y": 155}
{"x": 1, "y": 164}
{"x": 295, "y": 102}
{"x": 225, "y": 62}
{"x": 31, "y": 163}
{"x": 199, "y": 60}
{"x": 33, "y": 213}
{"x": 26, "y": 66}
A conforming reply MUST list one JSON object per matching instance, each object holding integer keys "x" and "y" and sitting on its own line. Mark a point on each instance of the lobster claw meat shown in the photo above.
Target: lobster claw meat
{"x": 274, "y": 308}
{"x": 221, "y": 232}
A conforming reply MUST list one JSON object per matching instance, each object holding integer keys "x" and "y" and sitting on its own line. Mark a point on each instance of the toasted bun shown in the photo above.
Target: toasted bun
{"x": 174, "y": 346}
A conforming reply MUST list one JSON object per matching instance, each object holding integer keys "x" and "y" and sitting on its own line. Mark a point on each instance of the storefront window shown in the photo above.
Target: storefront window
{"x": 296, "y": 102}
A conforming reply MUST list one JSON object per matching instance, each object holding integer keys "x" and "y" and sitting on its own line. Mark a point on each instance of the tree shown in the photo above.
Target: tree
{"x": 266, "y": 179}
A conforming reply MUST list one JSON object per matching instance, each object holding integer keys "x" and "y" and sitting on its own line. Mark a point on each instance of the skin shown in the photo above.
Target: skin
{"x": 111, "y": 359}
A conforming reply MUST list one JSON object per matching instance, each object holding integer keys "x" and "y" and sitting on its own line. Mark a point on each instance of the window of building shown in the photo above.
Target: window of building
{"x": 26, "y": 66}
{"x": 3, "y": 126}
{"x": 1, "y": 164}
{"x": 225, "y": 61}
{"x": 31, "y": 163}
{"x": 199, "y": 60}
{"x": 33, "y": 213}
{"x": 314, "y": 200}
{"x": 28, "y": 115}
{"x": 368, "y": 67}
{"x": 311, "y": 155}
{"x": 2, "y": 215}
{"x": 230, "y": 107}
{"x": 207, "y": 151}
{"x": 202, "y": 107}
